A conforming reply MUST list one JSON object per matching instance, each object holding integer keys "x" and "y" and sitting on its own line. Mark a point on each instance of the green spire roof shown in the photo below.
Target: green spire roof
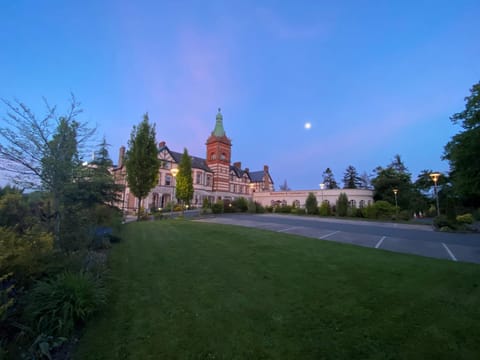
{"x": 219, "y": 131}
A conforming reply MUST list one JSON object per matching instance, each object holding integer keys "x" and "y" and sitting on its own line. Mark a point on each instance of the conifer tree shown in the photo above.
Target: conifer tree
{"x": 184, "y": 187}
{"x": 142, "y": 163}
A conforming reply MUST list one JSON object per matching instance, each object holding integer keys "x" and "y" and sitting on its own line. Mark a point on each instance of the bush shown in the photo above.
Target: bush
{"x": 25, "y": 255}
{"x": 325, "y": 209}
{"x": 56, "y": 306}
{"x": 465, "y": 219}
{"x": 217, "y": 208}
{"x": 298, "y": 211}
{"x": 443, "y": 223}
{"x": 206, "y": 204}
{"x": 259, "y": 209}
{"x": 342, "y": 205}
{"x": 379, "y": 210}
{"x": 404, "y": 215}
{"x": 240, "y": 204}
{"x": 311, "y": 204}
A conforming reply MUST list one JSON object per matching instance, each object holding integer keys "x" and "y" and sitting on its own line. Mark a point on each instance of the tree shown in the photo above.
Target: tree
{"x": 44, "y": 153}
{"x": 342, "y": 205}
{"x": 284, "y": 186}
{"x": 364, "y": 181}
{"x": 394, "y": 176}
{"x": 311, "y": 203}
{"x": 184, "y": 187}
{"x": 329, "y": 179}
{"x": 463, "y": 150}
{"x": 142, "y": 163}
{"x": 351, "y": 180}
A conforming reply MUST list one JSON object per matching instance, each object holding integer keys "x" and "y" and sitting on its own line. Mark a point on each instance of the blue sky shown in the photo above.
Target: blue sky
{"x": 374, "y": 78}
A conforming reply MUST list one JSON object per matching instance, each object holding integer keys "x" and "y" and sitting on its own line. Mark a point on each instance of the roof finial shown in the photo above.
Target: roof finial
{"x": 219, "y": 110}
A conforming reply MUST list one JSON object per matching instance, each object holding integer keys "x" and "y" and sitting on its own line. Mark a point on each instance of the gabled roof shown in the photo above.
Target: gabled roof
{"x": 237, "y": 171}
{"x": 256, "y": 176}
{"x": 197, "y": 162}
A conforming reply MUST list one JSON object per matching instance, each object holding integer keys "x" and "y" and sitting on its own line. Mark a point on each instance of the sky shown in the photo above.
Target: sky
{"x": 373, "y": 78}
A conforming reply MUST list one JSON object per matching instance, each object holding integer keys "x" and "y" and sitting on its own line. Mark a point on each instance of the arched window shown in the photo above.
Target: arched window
{"x": 213, "y": 156}
{"x": 362, "y": 204}
{"x": 353, "y": 203}
{"x": 223, "y": 157}
{"x": 296, "y": 203}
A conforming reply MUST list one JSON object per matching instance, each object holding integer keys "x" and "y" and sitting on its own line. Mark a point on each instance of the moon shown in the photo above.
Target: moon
{"x": 307, "y": 125}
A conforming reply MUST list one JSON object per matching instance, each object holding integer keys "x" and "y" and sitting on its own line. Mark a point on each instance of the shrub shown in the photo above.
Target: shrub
{"x": 325, "y": 209}
{"x": 241, "y": 204}
{"x": 385, "y": 210}
{"x": 465, "y": 219}
{"x": 206, "y": 204}
{"x": 311, "y": 204}
{"x": 342, "y": 205}
{"x": 252, "y": 207}
{"x": 284, "y": 209}
{"x": 259, "y": 208}
{"x": 24, "y": 254}
{"x": 57, "y": 305}
{"x": 404, "y": 215}
{"x": 217, "y": 208}
{"x": 443, "y": 223}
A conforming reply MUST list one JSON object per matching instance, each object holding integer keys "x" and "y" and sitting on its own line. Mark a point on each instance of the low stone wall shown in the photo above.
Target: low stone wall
{"x": 361, "y": 197}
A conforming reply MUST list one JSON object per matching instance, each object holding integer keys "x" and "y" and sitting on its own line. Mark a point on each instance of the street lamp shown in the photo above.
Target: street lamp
{"x": 434, "y": 176}
{"x": 322, "y": 186}
{"x": 174, "y": 173}
{"x": 395, "y": 192}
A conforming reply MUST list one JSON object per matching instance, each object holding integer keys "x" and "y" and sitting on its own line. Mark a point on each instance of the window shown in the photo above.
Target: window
{"x": 362, "y": 204}
{"x": 160, "y": 179}
{"x": 199, "y": 177}
{"x": 209, "y": 180}
{"x": 353, "y": 203}
{"x": 213, "y": 156}
{"x": 223, "y": 157}
{"x": 168, "y": 180}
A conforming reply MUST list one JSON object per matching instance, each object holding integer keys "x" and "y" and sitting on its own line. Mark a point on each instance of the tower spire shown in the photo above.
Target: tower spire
{"x": 219, "y": 130}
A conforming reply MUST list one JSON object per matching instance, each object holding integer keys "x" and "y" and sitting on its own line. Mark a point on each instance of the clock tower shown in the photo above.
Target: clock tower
{"x": 219, "y": 149}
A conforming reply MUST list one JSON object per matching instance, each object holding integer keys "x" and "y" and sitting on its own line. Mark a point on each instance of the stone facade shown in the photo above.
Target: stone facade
{"x": 215, "y": 178}
{"x": 357, "y": 197}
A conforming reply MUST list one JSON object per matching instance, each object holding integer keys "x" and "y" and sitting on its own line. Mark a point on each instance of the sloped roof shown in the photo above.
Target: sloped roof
{"x": 197, "y": 162}
{"x": 256, "y": 176}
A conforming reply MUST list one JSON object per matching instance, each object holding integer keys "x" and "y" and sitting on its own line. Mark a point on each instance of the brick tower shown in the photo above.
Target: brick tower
{"x": 219, "y": 149}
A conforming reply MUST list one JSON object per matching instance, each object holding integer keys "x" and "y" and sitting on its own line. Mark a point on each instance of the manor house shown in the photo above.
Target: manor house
{"x": 215, "y": 178}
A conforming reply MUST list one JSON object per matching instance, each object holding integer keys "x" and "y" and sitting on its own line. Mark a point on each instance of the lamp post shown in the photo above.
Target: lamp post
{"x": 434, "y": 176}
{"x": 322, "y": 186}
{"x": 395, "y": 192}
{"x": 174, "y": 173}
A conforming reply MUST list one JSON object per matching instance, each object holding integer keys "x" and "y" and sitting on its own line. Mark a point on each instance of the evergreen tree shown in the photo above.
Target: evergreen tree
{"x": 142, "y": 163}
{"x": 342, "y": 205}
{"x": 351, "y": 180}
{"x": 394, "y": 176}
{"x": 284, "y": 186}
{"x": 329, "y": 179}
{"x": 184, "y": 187}
{"x": 463, "y": 150}
{"x": 311, "y": 204}
{"x": 365, "y": 182}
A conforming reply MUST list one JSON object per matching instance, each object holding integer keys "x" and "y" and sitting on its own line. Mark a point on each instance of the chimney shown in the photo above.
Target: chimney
{"x": 238, "y": 165}
{"x": 247, "y": 170}
{"x": 121, "y": 156}
{"x": 265, "y": 169}
{"x": 161, "y": 144}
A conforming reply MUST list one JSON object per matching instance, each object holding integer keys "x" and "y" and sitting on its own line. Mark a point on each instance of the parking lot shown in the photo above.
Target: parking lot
{"x": 412, "y": 239}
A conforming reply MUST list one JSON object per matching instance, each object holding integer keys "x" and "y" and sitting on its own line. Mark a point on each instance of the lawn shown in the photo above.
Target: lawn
{"x": 186, "y": 290}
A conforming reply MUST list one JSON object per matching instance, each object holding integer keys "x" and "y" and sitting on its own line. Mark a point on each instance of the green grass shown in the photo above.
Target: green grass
{"x": 185, "y": 290}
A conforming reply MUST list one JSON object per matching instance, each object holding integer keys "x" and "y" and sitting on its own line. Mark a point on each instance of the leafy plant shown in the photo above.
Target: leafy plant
{"x": 465, "y": 219}
{"x": 43, "y": 346}
{"x": 342, "y": 205}
{"x": 57, "y": 305}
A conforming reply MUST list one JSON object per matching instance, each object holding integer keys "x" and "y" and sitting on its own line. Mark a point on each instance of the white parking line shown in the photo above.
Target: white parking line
{"x": 325, "y": 236}
{"x": 380, "y": 242}
{"x": 287, "y": 229}
{"x": 449, "y": 252}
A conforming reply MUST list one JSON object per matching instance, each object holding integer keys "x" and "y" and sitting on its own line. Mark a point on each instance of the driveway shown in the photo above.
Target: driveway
{"x": 405, "y": 238}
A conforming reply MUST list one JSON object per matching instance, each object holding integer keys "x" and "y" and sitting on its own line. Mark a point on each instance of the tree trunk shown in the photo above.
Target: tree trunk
{"x": 139, "y": 208}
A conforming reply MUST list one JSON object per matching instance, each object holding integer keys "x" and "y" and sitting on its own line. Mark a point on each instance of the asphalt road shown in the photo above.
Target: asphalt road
{"x": 412, "y": 239}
